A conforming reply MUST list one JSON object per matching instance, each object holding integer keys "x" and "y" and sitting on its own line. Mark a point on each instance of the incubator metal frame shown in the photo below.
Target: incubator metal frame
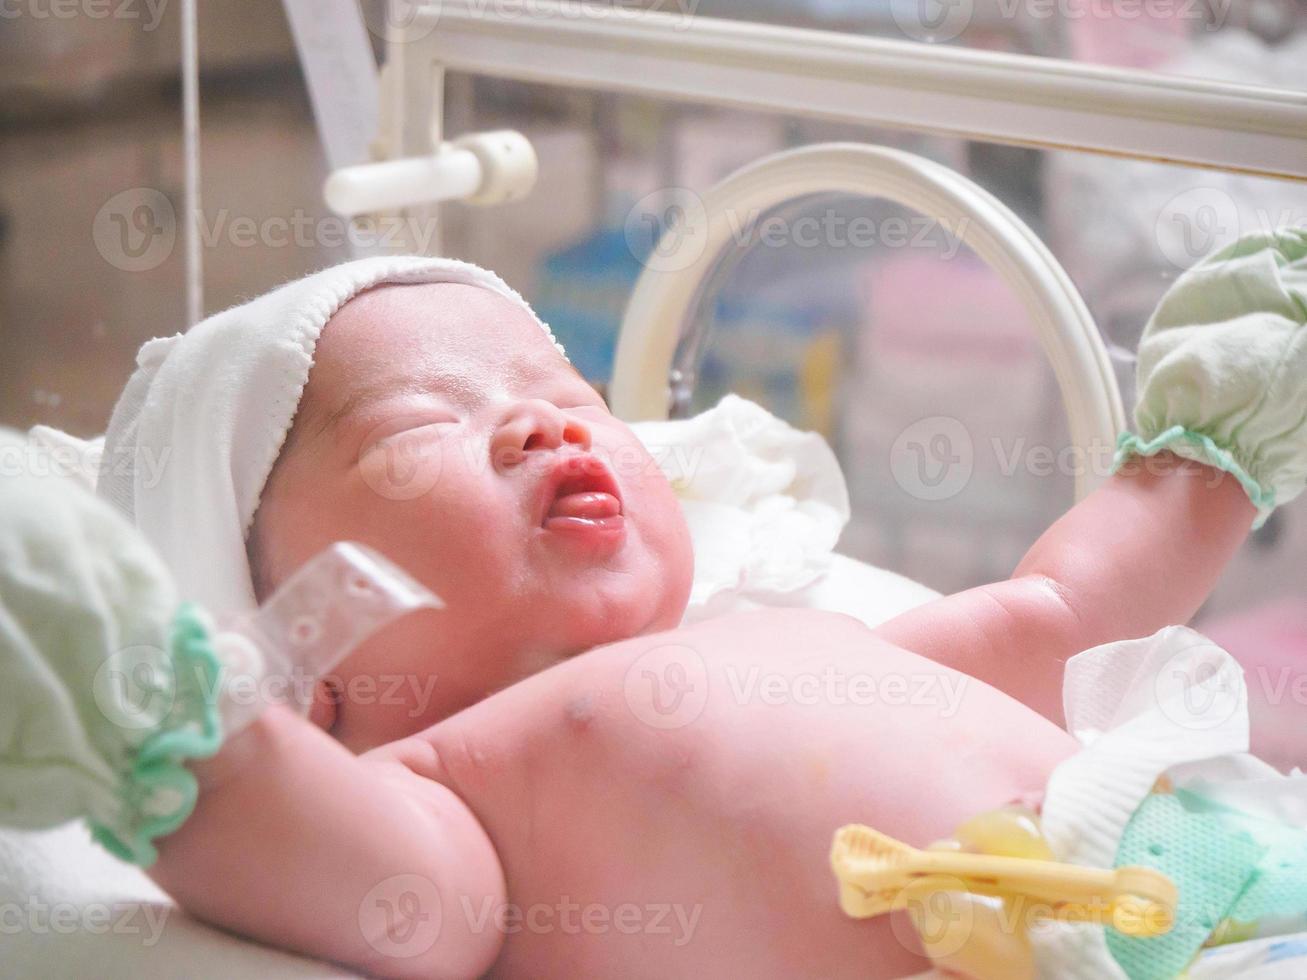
{"x": 981, "y": 95}
{"x": 994, "y": 97}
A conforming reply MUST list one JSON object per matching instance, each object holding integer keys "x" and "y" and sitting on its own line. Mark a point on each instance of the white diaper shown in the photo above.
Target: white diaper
{"x": 1172, "y": 704}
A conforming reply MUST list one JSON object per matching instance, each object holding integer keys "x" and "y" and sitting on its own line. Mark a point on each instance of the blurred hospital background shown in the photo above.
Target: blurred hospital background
{"x": 874, "y": 326}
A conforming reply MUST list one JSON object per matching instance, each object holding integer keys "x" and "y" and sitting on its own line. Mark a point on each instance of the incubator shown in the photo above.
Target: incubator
{"x": 931, "y": 232}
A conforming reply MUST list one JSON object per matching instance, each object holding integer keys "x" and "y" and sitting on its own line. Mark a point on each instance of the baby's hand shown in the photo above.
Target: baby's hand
{"x": 1223, "y": 368}
{"x": 105, "y": 682}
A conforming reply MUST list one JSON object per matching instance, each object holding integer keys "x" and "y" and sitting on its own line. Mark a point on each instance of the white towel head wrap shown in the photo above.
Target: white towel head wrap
{"x": 196, "y": 432}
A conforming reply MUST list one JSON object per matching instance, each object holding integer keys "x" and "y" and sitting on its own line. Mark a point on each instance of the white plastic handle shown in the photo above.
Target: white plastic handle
{"x": 367, "y": 188}
{"x": 480, "y": 168}
{"x": 668, "y": 291}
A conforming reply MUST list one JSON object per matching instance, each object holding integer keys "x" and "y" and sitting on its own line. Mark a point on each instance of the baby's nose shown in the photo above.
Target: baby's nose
{"x": 534, "y": 424}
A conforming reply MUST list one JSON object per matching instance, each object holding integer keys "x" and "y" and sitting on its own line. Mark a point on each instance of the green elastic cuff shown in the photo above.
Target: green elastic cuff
{"x": 1200, "y": 448}
{"x": 158, "y": 792}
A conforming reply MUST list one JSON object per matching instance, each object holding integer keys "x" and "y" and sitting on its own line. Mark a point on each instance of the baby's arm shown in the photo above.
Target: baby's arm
{"x": 300, "y": 843}
{"x": 1221, "y": 380}
{"x": 1141, "y": 552}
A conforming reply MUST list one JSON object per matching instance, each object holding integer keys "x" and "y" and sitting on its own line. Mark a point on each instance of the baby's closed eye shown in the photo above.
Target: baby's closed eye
{"x": 407, "y": 427}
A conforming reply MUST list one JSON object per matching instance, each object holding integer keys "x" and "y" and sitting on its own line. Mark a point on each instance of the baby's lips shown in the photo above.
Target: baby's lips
{"x": 579, "y": 485}
{"x": 591, "y": 505}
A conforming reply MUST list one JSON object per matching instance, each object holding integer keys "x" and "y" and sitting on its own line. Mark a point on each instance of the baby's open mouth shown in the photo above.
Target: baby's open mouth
{"x": 581, "y": 493}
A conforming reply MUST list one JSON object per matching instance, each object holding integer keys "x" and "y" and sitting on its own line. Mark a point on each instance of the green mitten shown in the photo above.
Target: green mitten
{"x": 1222, "y": 370}
{"x": 106, "y": 684}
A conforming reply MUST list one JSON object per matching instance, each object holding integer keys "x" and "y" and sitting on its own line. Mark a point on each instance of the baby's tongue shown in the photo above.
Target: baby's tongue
{"x": 592, "y": 504}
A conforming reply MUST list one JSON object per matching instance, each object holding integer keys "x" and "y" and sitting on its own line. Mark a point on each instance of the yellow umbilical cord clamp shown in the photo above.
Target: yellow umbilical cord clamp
{"x": 878, "y": 874}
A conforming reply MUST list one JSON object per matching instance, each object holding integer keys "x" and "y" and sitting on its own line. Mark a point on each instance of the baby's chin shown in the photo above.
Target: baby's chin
{"x": 587, "y": 629}
{"x": 575, "y": 628}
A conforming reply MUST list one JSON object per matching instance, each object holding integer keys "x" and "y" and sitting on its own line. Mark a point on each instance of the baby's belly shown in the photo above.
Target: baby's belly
{"x": 664, "y": 806}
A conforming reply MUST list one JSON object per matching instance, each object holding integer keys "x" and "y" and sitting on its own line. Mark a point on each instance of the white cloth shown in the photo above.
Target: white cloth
{"x": 198, "y": 428}
{"x": 1173, "y": 703}
{"x": 765, "y": 504}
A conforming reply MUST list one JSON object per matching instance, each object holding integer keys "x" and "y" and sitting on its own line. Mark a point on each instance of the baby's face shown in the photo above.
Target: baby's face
{"x": 441, "y": 427}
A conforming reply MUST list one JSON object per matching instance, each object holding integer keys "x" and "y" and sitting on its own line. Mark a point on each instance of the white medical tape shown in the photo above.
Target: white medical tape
{"x": 322, "y": 613}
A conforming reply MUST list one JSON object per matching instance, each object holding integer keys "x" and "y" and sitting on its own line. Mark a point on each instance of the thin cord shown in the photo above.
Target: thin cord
{"x": 191, "y": 150}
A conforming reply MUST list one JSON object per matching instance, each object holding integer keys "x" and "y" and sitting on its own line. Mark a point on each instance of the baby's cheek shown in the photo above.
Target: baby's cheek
{"x": 667, "y": 538}
{"x": 449, "y": 533}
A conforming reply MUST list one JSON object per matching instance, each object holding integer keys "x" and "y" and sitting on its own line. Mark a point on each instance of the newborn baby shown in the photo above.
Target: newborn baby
{"x": 592, "y": 791}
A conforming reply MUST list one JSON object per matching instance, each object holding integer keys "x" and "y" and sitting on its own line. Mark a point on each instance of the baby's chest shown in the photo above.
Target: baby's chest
{"x": 739, "y": 735}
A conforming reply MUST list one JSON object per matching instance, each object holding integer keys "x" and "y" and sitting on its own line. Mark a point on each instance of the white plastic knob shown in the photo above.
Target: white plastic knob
{"x": 508, "y": 165}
